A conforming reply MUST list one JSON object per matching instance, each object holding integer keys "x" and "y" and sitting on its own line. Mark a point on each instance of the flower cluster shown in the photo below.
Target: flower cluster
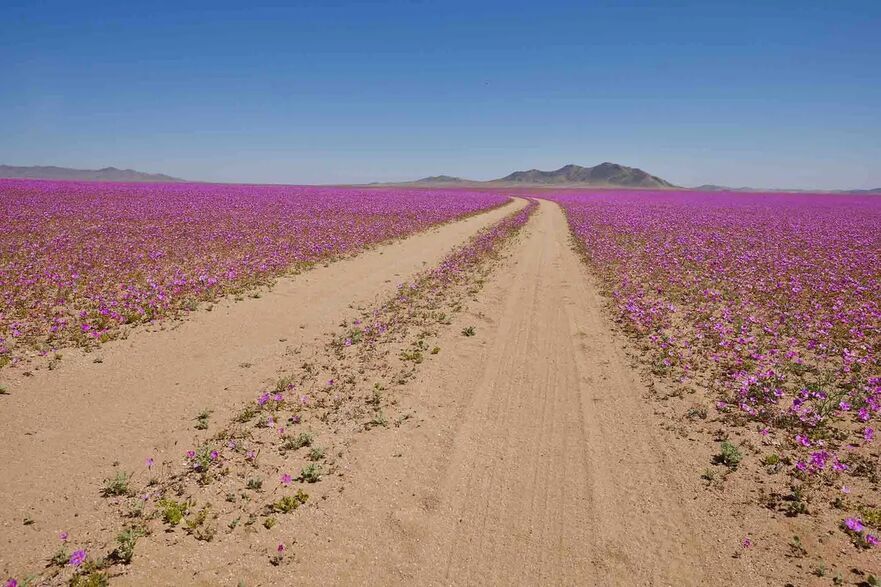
{"x": 77, "y": 260}
{"x": 772, "y": 301}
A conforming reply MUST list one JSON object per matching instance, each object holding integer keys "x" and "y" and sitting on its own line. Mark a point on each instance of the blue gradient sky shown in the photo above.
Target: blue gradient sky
{"x": 762, "y": 93}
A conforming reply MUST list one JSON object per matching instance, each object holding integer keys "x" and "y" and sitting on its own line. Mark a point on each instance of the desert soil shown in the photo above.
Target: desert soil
{"x": 534, "y": 456}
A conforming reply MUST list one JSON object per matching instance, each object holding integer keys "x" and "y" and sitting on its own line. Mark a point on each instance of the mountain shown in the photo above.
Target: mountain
{"x": 602, "y": 175}
{"x": 721, "y": 188}
{"x": 437, "y": 179}
{"x": 105, "y": 174}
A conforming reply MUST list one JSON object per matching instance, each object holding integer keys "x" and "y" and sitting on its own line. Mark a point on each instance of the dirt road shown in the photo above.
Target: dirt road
{"x": 64, "y": 429}
{"x": 533, "y": 456}
{"x": 537, "y": 458}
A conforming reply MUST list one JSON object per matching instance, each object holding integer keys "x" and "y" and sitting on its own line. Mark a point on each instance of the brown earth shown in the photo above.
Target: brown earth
{"x": 63, "y": 429}
{"x": 533, "y": 454}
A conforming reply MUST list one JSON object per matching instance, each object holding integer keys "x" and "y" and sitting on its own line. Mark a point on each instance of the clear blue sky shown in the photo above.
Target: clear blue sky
{"x": 774, "y": 93}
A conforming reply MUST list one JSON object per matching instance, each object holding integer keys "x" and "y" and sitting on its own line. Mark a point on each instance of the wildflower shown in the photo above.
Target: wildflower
{"x": 214, "y": 455}
{"x": 845, "y": 489}
{"x": 286, "y": 479}
{"x": 63, "y": 536}
{"x": 263, "y": 399}
{"x": 747, "y": 543}
{"x": 191, "y": 454}
{"x": 764, "y": 431}
{"x": 280, "y": 548}
{"x": 869, "y": 434}
{"x": 231, "y": 444}
{"x": 871, "y": 540}
{"x": 802, "y": 440}
{"x": 77, "y": 558}
{"x": 149, "y": 463}
{"x": 278, "y": 397}
{"x": 250, "y": 455}
{"x": 11, "y": 583}
{"x": 854, "y": 525}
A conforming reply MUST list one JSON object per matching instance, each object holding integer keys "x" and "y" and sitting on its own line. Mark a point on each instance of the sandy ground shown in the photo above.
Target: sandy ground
{"x": 535, "y": 460}
{"x": 63, "y": 429}
{"x": 534, "y": 455}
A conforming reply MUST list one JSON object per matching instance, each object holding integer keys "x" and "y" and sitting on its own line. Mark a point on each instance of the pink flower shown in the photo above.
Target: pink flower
{"x": 280, "y": 548}
{"x": 250, "y": 455}
{"x": 150, "y": 463}
{"x": 747, "y": 543}
{"x": 11, "y": 583}
{"x": 191, "y": 454}
{"x": 63, "y": 536}
{"x": 845, "y": 489}
{"x": 802, "y": 440}
{"x": 263, "y": 399}
{"x": 869, "y": 434}
{"x": 286, "y": 479}
{"x": 214, "y": 455}
{"x": 77, "y": 558}
{"x": 871, "y": 540}
{"x": 278, "y": 397}
{"x": 854, "y": 525}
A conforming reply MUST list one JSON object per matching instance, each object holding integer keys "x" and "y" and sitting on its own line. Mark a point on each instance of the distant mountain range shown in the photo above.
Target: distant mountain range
{"x": 721, "y": 188}
{"x": 105, "y": 174}
{"x": 602, "y": 175}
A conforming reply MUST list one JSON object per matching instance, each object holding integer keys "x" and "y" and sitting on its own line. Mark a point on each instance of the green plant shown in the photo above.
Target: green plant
{"x": 316, "y": 454}
{"x": 173, "y": 511}
{"x": 289, "y": 503}
{"x": 729, "y": 455}
{"x": 255, "y": 484}
{"x": 299, "y": 441}
{"x": 310, "y": 473}
{"x": 116, "y": 485}
{"x": 796, "y": 547}
{"x": 125, "y": 544}
{"x": 771, "y": 459}
{"x": 469, "y": 331}
{"x": 198, "y": 526}
{"x": 3, "y": 390}
{"x": 60, "y": 558}
{"x": 202, "y": 420}
{"x": 90, "y": 579}
{"x": 269, "y": 522}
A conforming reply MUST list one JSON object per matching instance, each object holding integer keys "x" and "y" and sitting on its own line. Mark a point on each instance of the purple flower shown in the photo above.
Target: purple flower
{"x": 871, "y": 540}
{"x": 280, "y": 548}
{"x": 150, "y": 463}
{"x": 214, "y": 455}
{"x": 869, "y": 434}
{"x": 747, "y": 543}
{"x": 63, "y": 536}
{"x": 278, "y": 397}
{"x": 263, "y": 399}
{"x": 191, "y": 454}
{"x": 11, "y": 583}
{"x": 286, "y": 479}
{"x": 854, "y": 525}
{"x": 77, "y": 558}
{"x": 802, "y": 440}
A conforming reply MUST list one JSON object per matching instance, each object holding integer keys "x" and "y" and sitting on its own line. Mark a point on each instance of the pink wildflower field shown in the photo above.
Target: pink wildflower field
{"x": 772, "y": 302}
{"x": 78, "y": 260}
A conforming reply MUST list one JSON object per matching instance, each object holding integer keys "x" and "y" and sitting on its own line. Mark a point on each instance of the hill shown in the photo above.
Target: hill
{"x": 602, "y": 175}
{"x": 66, "y": 173}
